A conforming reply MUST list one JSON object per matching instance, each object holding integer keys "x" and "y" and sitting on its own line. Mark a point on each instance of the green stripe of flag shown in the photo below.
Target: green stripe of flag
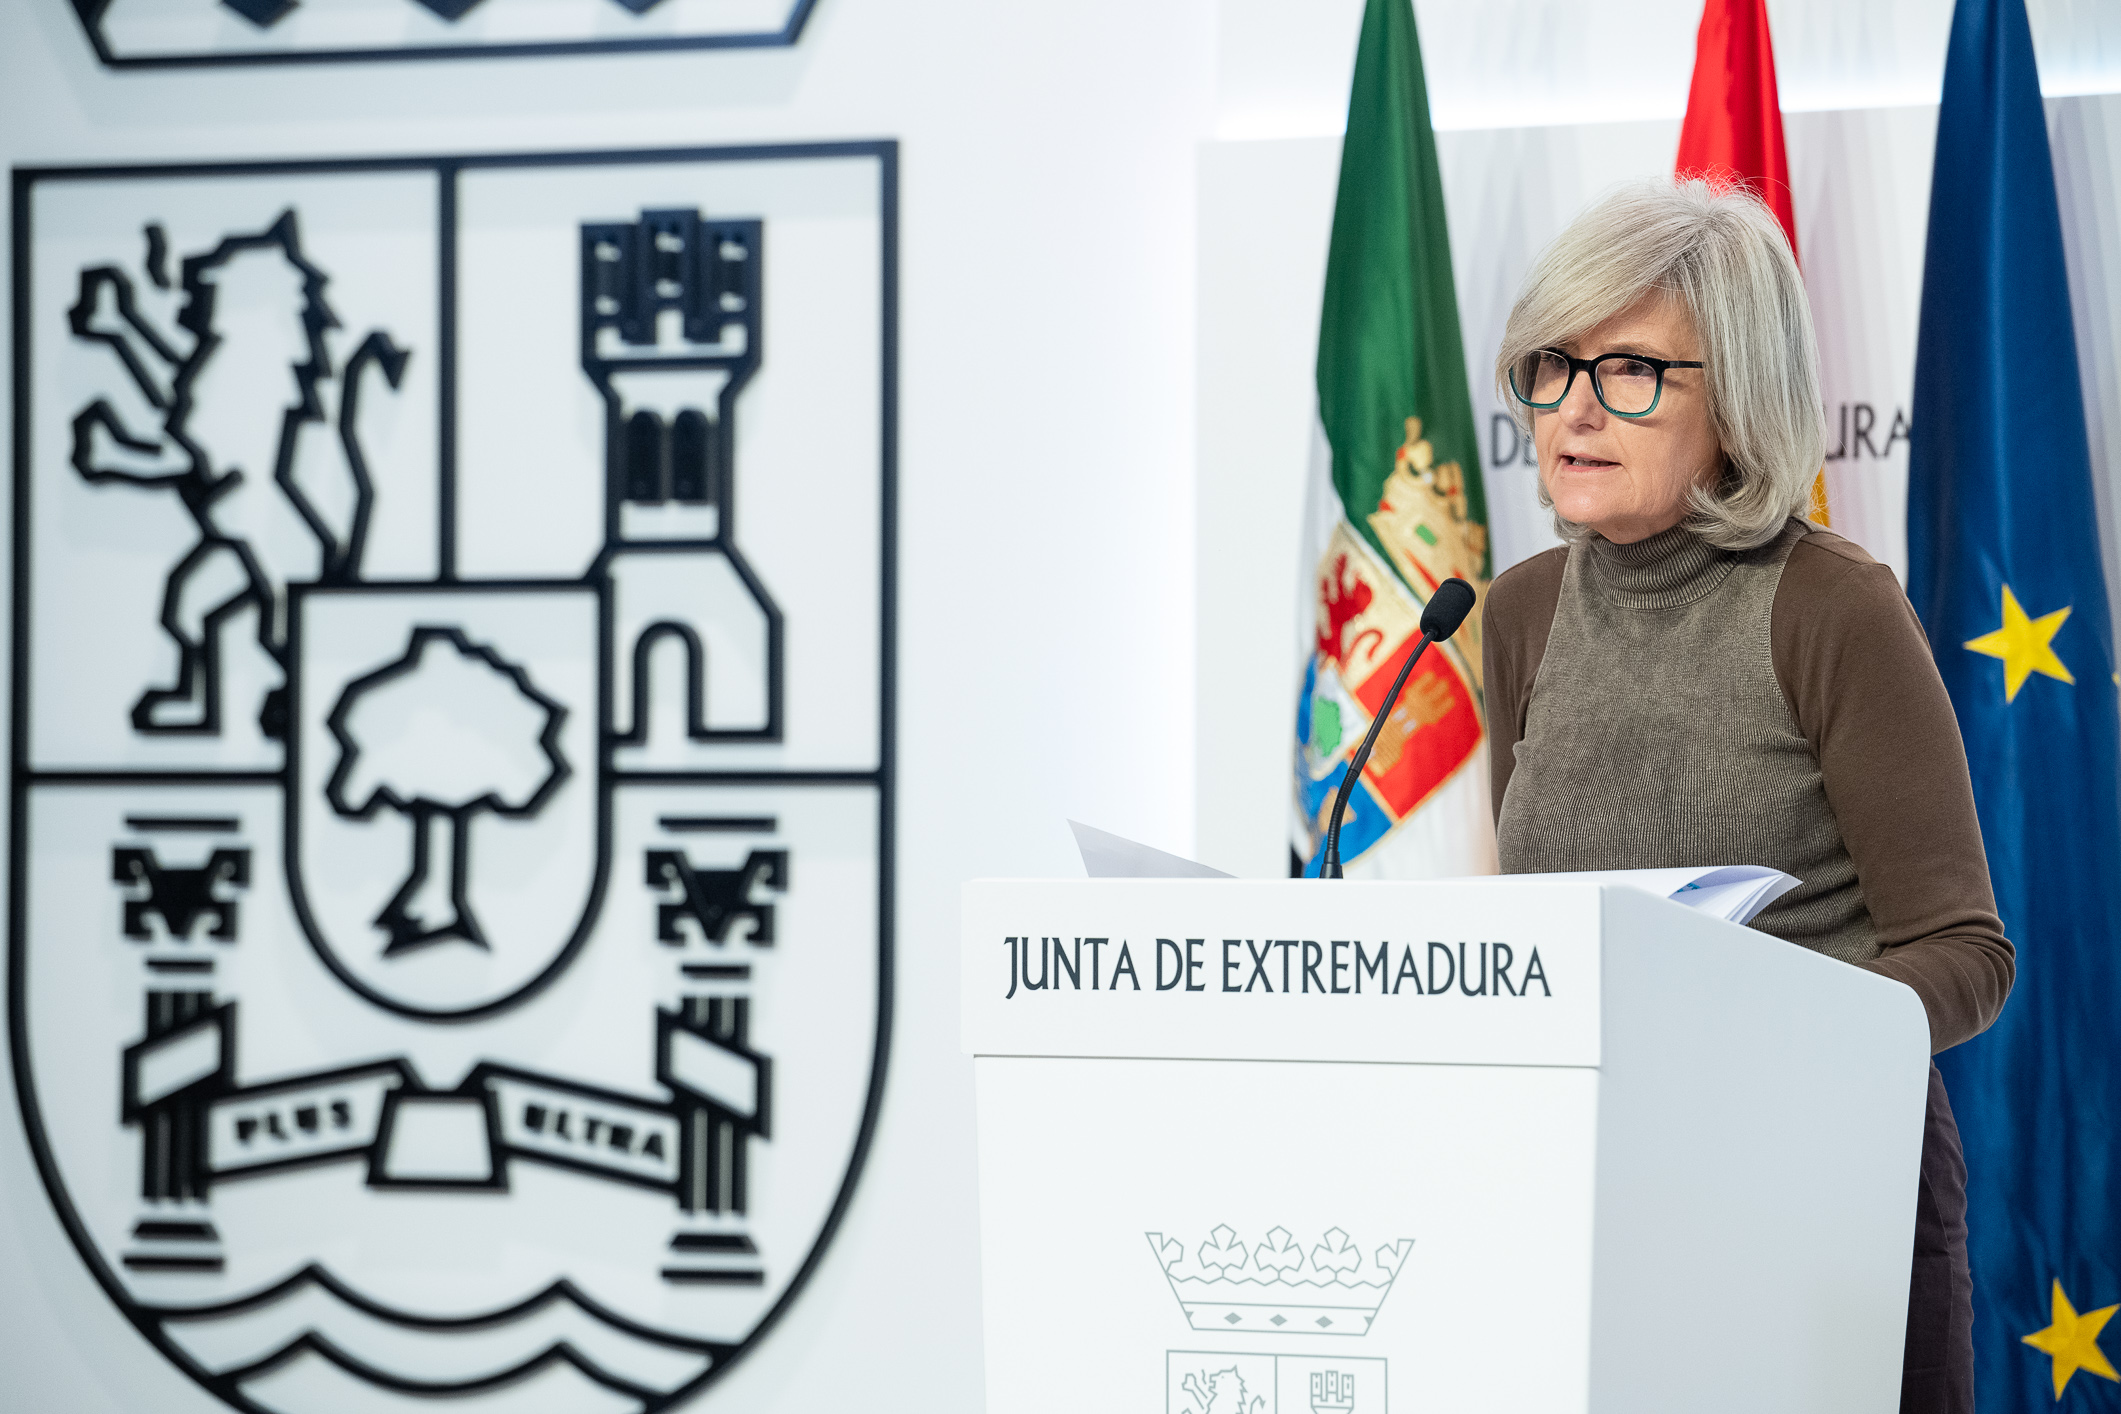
{"x": 1388, "y": 340}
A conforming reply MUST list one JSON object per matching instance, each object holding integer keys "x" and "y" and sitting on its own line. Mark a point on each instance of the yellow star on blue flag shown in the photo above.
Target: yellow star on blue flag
{"x": 2071, "y": 1340}
{"x": 2025, "y": 645}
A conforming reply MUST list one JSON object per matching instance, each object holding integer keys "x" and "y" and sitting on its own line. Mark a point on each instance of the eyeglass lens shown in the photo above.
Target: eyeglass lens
{"x": 1627, "y": 386}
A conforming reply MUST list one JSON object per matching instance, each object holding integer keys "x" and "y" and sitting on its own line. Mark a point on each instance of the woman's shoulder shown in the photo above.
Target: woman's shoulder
{"x": 1816, "y": 541}
{"x": 1830, "y": 576}
{"x": 1527, "y": 585}
{"x": 1841, "y": 621}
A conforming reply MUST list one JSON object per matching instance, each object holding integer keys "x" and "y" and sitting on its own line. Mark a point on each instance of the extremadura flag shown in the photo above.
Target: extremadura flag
{"x": 2004, "y": 568}
{"x": 1395, "y": 504}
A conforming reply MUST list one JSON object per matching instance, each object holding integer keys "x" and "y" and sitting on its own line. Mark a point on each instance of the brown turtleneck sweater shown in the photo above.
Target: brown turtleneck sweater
{"x": 1668, "y": 704}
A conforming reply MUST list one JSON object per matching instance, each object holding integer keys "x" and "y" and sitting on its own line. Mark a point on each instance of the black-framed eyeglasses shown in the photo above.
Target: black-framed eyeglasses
{"x": 1627, "y": 385}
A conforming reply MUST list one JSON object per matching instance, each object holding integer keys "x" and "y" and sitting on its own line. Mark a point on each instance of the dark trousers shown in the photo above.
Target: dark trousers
{"x": 1937, "y": 1373}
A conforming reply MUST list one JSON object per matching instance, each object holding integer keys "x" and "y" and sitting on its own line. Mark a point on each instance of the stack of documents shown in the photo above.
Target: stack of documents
{"x": 1734, "y": 892}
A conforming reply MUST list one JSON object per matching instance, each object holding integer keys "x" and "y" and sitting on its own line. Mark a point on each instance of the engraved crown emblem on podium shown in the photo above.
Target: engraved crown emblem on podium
{"x": 1278, "y": 1285}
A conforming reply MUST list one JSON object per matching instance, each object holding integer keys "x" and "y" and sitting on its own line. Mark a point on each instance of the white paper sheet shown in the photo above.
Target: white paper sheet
{"x": 1110, "y": 856}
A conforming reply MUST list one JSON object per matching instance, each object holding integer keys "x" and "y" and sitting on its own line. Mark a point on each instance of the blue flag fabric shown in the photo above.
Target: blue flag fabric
{"x": 2004, "y": 568}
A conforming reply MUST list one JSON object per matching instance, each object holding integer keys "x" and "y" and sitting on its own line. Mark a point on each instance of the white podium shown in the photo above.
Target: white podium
{"x": 1497, "y": 1145}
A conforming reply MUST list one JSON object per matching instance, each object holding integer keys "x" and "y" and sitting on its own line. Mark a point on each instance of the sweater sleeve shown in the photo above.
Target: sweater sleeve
{"x": 1854, "y": 664}
{"x": 1514, "y": 624}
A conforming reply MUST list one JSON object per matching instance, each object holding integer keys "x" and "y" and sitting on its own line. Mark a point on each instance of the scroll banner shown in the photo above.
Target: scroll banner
{"x": 460, "y": 1137}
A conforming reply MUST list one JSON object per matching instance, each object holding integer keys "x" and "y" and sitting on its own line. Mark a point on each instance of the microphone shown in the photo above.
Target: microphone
{"x": 1446, "y": 610}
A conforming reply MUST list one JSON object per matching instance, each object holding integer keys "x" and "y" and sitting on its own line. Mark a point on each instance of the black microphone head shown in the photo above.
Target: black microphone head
{"x": 1447, "y": 609}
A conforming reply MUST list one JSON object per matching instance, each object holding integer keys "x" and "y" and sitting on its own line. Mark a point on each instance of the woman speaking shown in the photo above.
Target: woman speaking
{"x": 1698, "y": 677}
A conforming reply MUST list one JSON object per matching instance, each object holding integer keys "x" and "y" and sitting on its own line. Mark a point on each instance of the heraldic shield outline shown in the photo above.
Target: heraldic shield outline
{"x": 450, "y": 895}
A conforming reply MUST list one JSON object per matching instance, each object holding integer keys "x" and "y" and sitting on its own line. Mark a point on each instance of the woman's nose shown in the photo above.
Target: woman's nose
{"x": 1581, "y": 408}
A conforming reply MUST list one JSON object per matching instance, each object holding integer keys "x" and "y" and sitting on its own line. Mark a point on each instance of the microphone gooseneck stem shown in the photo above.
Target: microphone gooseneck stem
{"x": 1329, "y": 866}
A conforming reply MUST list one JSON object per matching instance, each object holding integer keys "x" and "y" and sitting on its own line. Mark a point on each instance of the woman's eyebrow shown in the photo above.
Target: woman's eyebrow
{"x": 1627, "y": 347}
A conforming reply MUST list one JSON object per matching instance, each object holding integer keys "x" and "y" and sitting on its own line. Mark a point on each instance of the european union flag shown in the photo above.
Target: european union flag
{"x": 2004, "y": 568}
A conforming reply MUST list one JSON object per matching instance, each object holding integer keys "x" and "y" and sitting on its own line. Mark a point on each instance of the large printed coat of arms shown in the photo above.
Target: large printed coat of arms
{"x": 449, "y": 938}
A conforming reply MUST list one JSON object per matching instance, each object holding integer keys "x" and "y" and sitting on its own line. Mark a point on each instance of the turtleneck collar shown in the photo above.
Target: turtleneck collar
{"x": 1669, "y": 569}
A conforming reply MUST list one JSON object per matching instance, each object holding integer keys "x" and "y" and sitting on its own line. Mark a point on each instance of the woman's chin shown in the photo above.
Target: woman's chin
{"x": 1582, "y": 509}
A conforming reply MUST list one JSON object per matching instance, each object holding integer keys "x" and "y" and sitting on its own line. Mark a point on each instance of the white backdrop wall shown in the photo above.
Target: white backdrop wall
{"x": 1112, "y": 237}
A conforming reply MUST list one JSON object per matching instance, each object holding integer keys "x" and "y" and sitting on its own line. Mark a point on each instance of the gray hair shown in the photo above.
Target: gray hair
{"x": 1721, "y": 252}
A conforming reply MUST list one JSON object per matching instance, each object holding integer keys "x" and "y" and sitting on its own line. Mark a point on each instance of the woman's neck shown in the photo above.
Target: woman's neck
{"x": 1661, "y": 571}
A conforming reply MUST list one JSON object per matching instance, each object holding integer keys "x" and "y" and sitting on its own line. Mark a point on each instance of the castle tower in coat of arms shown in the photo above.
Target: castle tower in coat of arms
{"x": 670, "y": 336}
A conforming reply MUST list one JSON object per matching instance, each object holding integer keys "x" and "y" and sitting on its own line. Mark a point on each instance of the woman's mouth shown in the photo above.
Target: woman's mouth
{"x": 1586, "y": 463}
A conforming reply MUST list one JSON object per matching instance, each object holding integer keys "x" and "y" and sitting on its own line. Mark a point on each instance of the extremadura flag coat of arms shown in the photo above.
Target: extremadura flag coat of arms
{"x": 1395, "y": 504}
